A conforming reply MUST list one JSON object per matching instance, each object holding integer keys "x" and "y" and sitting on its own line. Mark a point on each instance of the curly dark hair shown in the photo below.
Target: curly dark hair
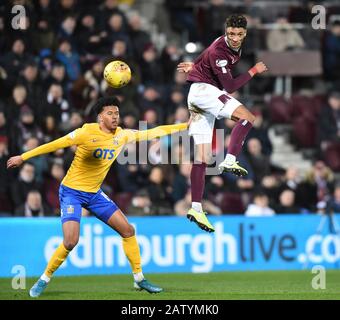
{"x": 236, "y": 21}
{"x": 104, "y": 102}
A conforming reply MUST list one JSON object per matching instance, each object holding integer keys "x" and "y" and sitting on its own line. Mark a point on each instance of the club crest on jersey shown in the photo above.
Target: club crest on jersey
{"x": 221, "y": 63}
{"x": 115, "y": 141}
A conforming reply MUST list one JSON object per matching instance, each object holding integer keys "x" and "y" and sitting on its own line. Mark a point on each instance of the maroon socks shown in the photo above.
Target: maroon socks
{"x": 238, "y": 135}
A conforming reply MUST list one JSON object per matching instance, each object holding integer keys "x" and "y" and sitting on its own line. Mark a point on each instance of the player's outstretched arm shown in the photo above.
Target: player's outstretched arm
{"x": 157, "y": 132}
{"x": 72, "y": 138}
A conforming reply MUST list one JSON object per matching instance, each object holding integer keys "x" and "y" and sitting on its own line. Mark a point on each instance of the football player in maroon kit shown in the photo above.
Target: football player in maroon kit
{"x": 209, "y": 99}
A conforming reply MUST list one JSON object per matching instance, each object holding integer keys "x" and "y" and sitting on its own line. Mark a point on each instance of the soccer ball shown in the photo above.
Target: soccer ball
{"x": 117, "y": 74}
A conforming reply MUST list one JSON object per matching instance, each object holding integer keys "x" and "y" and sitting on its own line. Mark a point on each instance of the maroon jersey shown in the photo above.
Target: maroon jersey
{"x": 214, "y": 64}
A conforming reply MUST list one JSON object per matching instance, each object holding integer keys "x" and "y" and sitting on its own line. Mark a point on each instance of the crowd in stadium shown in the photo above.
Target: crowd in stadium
{"x": 51, "y": 75}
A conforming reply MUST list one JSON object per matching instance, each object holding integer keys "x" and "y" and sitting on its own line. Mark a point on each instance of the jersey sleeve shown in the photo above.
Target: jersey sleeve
{"x": 220, "y": 66}
{"x": 75, "y": 137}
{"x": 135, "y": 135}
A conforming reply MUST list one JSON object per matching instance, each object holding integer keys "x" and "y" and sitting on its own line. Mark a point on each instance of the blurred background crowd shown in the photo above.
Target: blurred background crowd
{"x": 51, "y": 75}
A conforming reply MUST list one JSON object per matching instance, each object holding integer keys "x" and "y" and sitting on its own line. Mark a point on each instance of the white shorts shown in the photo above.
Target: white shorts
{"x": 207, "y": 103}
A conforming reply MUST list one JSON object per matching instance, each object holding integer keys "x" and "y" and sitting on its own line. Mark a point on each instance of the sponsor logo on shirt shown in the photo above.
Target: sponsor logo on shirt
{"x": 221, "y": 63}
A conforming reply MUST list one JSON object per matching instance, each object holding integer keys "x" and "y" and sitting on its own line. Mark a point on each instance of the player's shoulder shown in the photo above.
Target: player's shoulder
{"x": 89, "y": 126}
{"x": 219, "y": 47}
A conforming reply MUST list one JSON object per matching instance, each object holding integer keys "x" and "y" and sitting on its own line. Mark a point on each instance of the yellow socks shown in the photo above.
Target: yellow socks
{"x": 56, "y": 260}
{"x": 132, "y": 252}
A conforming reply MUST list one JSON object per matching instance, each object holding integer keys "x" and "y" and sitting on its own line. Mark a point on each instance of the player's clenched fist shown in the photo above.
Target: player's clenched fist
{"x": 260, "y": 67}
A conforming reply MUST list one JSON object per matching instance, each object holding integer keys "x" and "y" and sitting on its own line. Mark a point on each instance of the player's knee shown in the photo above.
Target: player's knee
{"x": 69, "y": 244}
{"x": 128, "y": 232}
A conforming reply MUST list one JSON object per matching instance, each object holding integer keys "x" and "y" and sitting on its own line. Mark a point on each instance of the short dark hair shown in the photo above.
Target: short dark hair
{"x": 236, "y": 21}
{"x": 104, "y": 102}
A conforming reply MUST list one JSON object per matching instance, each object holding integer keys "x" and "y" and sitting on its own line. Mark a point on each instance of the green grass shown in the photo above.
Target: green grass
{"x": 220, "y": 286}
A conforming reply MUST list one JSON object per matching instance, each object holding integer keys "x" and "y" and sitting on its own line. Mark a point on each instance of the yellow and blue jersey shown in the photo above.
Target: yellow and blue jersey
{"x": 96, "y": 151}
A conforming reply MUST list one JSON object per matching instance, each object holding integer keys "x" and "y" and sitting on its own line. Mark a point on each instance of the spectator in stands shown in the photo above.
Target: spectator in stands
{"x": 284, "y": 37}
{"x": 3, "y": 123}
{"x": 287, "y": 203}
{"x": 131, "y": 176}
{"x": 260, "y": 206}
{"x": 40, "y": 163}
{"x": 58, "y": 75}
{"x": 181, "y": 182}
{"x": 331, "y": 50}
{"x": 49, "y": 129}
{"x": 259, "y": 162}
{"x": 14, "y": 60}
{"x": 52, "y": 185}
{"x": 182, "y": 206}
{"x": 176, "y": 99}
{"x": 30, "y": 79}
{"x": 33, "y": 206}
{"x": 107, "y": 9}
{"x": 260, "y": 131}
{"x": 214, "y": 188}
{"x": 329, "y": 121}
{"x": 150, "y": 66}
{"x": 55, "y": 105}
{"x": 5, "y": 204}
{"x": 170, "y": 57}
{"x": 270, "y": 186}
{"x": 159, "y": 192}
{"x": 87, "y": 34}
{"x": 24, "y": 129}
{"x": 140, "y": 204}
{"x": 69, "y": 58}
{"x": 76, "y": 121}
{"x": 318, "y": 183}
{"x": 139, "y": 37}
{"x": 44, "y": 35}
{"x": 65, "y": 8}
{"x": 151, "y": 118}
{"x": 129, "y": 121}
{"x": 16, "y": 103}
{"x": 23, "y": 184}
{"x": 214, "y": 19}
{"x": 333, "y": 205}
{"x": 151, "y": 99}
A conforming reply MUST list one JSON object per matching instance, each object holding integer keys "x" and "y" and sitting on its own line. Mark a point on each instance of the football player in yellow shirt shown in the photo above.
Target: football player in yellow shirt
{"x": 98, "y": 145}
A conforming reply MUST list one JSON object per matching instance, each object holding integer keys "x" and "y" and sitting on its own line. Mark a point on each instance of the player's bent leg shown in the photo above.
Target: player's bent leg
{"x": 71, "y": 237}
{"x": 119, "y": 223}
{"x": 245, "y": 120}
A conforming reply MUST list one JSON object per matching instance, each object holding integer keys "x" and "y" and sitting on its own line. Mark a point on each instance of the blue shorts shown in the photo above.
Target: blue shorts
{"x": 71, "y": 202}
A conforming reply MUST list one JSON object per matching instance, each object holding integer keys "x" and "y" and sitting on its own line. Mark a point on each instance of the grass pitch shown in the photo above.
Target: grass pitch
{"x": 293, "y": 285}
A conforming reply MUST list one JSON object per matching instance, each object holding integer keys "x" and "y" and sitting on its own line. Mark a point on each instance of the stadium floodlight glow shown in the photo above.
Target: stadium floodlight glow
{"x": 191, "y": 47}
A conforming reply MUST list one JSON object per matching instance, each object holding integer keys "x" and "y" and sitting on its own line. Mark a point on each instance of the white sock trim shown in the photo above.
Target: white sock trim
{"x": 230, "y": 158}
{"x": 138, "y": 277}
{"x": 197, "y": 206}
{"x": 45, "y": 278}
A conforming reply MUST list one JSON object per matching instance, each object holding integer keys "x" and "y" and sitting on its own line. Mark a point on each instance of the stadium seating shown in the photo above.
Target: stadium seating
{"x": 280, "y": 110}
{"x": 332, "y": 156}
{"x": 231, "y": 202}
{"x": 123, "y": 200}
